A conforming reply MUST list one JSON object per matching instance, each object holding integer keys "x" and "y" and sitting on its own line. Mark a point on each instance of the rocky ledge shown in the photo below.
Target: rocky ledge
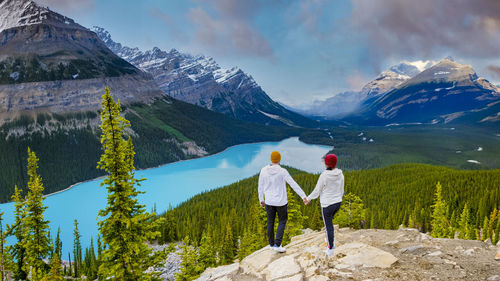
{"x": 404, "y": 254}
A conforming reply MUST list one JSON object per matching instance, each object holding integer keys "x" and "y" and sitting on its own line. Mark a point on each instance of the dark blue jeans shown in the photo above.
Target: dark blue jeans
{"x": 328, "y": 213}
{"x": 282, "y": 218}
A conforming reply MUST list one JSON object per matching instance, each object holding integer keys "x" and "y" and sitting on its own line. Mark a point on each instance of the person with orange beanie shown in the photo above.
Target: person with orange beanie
{"x": 330, "y": 188}
{"x": 272, "y": 196}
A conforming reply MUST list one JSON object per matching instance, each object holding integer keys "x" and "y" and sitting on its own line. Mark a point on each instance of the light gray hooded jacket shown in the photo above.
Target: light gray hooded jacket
{"x": 330, "y": 188}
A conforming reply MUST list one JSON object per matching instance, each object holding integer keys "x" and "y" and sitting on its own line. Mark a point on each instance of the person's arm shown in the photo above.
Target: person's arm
{"x": 261, "y": 189}
{"x": 342, "y": 185}
{"x": 294, "y": 185}
{"x": 317, "y": 190}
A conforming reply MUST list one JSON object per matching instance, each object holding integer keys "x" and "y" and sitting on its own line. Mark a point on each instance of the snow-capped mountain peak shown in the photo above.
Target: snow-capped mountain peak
{"x": 17, "y": 13}
{"x": 200, "y": 80}
{"x": 411, "y": 68}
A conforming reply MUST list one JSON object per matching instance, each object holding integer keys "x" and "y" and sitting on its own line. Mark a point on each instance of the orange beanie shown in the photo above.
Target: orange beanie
{"x": 275, "y": 157}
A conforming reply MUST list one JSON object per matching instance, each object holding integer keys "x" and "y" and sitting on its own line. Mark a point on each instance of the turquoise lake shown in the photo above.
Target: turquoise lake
{"x": 171, "y": 184}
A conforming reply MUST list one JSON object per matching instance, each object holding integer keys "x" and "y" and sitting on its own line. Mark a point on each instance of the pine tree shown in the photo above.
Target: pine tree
{"x": 440, "y": 223}
{"x": 486, "y": 229}
{"x": 77, "y": 252}
{"x": 37, "y": 242}
{"x": 58, "y": 243}
{"x": 207, "y": 254}
{"x": 352, "y": 213}
{"x": 169, "y": 227}
{"x": 55, "y": 273}
{"x": 18, "y": 250}
{"x": 296, "y": 218}
{"x": 190, "y": 267}
{"x": 125, "y": 225}
{"x": 497, "y": 231}
{"x": 492, "y": 223}
{"x": 464, "y": 226}
{"x": 6, "y": 262}
{"x": 2, "y": 254}
{"x": 251, "y": 239}
{"x": 228, "y": 249}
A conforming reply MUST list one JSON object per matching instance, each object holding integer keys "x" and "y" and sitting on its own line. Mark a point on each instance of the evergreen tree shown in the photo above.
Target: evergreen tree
{"x": 169, "y": 227}
{"x": 207, "y": 254}
{"x": 492, "y": 223}
{"x": 90, "y": 261}
{"x": 37, "y": 242}
{"x": 58, "y": 243}
{"x": 296, "y": 218}
{"x": 190, "y": 267}
{"x": 440, "y": 223}
{"x": 352, "y": 212}
{"x": 497, "y": 231}
{"x": 70, "y": 271}
{"x": 252, "y": 235}
{"x": 77, "y": 252}
{"x": 464, "y": 226}
{"x": 2, "y": 254}
{"x": 18, "y": 250}
{"x": 485, "y": 231}
{"x": 228, "y": 248}
{"x": 55, "y": 273}
{"x": 125, "y": 226}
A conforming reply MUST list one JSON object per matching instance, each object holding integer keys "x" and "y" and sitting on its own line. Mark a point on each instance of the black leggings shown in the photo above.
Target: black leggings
{"x": 282, "y": 217}
{"x": 328, "y": 213}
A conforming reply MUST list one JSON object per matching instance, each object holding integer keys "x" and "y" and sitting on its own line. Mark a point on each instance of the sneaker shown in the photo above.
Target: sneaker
{"x": 329, "y": 252}
{"x": 273, "y": 248}
{"x": 280, "y": 249}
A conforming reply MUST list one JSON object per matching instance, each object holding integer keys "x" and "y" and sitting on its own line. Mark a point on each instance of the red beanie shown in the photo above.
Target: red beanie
{"x": 331, "y": 160}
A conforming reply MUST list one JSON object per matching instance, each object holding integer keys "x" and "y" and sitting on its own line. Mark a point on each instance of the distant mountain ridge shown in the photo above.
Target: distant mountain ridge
{"x": 348, "y": 102}
{"x": 439, "y": 94}
{"x": 201, "y": 81}
{"x": 416, "y": 92}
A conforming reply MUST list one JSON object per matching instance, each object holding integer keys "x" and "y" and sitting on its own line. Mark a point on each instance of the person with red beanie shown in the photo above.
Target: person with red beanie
{"x": 330, "y": 189}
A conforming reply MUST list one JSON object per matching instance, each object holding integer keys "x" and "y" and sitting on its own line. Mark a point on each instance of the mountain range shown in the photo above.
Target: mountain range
{"x": 53, "y": 72}
{"x": 201, "y": 81}
{"x": 416, "y": 92}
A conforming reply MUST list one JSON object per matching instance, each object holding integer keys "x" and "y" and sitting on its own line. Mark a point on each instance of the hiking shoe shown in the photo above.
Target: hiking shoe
{"x": 280, "y": 249}
{"x": 329, "y": 252}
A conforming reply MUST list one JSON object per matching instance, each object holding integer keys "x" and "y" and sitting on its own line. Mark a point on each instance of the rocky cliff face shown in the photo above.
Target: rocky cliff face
{"x": 404, "y": 254}
{"x": 67, "y": 96}
{"x": 201, "y": 81}
{"x": 49, "y": 63}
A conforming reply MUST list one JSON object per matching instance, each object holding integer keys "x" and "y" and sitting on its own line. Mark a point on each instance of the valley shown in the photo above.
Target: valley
{"x": 124, "y": 163}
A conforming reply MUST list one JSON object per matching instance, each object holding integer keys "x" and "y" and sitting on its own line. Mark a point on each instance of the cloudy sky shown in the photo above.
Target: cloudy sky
{"x": 303, "y": 50}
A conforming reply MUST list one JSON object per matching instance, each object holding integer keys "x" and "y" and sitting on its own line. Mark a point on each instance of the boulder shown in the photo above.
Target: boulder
{"x": 497, "y": 257}
{"x": 212, "y": 274}
{"x": 258, "y": 261}
{"x": 360, "y": 254}
{"x": 281, "y": 268}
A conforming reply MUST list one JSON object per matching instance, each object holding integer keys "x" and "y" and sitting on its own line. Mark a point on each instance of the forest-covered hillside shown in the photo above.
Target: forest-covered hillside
{"x": 395, "y": 195}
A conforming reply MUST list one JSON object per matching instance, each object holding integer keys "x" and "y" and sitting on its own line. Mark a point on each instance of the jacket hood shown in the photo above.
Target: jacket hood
{"x": 274, "y": 169}
{"x": 334, "y": 173}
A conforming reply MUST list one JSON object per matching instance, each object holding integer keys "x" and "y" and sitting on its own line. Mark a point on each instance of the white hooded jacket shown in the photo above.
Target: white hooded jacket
{"x": 330, "y": 188}
{"x": 272, "y": 185}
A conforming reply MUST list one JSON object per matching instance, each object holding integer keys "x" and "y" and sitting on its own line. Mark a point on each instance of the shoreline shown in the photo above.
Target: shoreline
{"x": 171, "y": 163}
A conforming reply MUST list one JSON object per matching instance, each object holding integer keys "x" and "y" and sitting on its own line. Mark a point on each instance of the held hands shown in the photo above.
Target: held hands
{"x": 263, "y": 204}
{"x": 306, "y": 202}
